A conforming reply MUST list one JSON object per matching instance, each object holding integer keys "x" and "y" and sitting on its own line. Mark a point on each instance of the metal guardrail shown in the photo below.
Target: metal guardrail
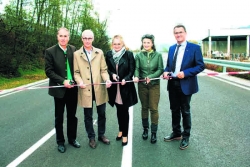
{"x": 228, "y": 63}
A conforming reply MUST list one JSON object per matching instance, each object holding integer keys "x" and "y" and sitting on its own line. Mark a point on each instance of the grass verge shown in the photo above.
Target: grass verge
{"x": 26, "y": 78}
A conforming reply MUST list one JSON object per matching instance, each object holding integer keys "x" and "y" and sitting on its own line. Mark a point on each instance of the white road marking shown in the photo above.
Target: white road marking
{"x": 95, "y": 122}
{"x": 232, "y": 83}
{"x": 127, "y": 150}
{"x": 10, "y": 91}
{"x": 33, "y": 148}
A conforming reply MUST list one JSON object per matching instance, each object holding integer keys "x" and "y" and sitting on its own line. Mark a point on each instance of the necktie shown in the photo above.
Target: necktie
{"x": 175, "y": 58}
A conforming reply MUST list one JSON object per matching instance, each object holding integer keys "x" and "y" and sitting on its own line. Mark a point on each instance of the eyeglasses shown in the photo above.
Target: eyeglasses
{"x": 87, "y": 39}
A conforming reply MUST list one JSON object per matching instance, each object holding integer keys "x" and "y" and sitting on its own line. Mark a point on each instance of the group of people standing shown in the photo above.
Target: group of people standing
{"x": 102, "y": 78}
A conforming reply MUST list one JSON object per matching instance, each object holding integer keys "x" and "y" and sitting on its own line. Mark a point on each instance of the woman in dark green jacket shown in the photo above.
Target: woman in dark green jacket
{"x": 149, "y": 65}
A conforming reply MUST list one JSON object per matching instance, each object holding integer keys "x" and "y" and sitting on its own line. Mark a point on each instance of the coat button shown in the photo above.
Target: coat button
{"x": 89, "y": 89}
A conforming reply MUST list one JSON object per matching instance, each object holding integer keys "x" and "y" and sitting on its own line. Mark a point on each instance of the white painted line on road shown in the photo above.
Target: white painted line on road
{"x": 10, "y": 93}
{"x": 127, "y": 150}
{"x": 232, "y": 83}
{"x": 95, "y": 122}
{"x": 3, "y": 94}
{"x": 33, "y": 148}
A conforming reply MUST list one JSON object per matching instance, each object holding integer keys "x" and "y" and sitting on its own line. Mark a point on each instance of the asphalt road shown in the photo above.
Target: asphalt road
{"x": 220, "y": 132}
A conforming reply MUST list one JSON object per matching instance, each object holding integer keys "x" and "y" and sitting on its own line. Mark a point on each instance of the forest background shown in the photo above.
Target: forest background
{"x": 28, "y": 28}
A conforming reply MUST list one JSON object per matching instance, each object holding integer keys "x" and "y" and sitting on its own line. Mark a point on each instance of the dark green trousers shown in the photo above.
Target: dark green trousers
{"x": 149, "y": 96}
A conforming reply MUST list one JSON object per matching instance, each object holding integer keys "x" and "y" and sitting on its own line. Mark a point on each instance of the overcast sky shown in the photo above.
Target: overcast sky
{"x": 134, "y": 18}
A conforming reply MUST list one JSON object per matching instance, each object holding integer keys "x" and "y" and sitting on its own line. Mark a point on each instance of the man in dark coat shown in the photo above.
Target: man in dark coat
{"x": 59, "y": 70}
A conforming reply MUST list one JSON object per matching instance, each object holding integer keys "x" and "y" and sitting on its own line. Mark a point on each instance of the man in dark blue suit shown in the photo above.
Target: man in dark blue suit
{"x": 184, "y": 62}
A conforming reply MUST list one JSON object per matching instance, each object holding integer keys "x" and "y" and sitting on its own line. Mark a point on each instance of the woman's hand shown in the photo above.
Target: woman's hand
{"x": 123, "y": 82}
{"x": 136, "y": 79}
{"x": 115, "y": 77}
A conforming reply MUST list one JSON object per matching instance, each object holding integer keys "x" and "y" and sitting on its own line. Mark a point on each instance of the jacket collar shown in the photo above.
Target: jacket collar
{"x": 122, "y": 60}
{"x": 93, "y": 53}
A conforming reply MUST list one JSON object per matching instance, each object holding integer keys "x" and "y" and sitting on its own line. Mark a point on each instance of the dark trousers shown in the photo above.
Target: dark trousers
{"x": 88, "y": 119}
{"x": 179, "y": 105}
{"x": 123, "y": 119}
{"x": 149, "y": 96}
{"x": 70, "y": 100}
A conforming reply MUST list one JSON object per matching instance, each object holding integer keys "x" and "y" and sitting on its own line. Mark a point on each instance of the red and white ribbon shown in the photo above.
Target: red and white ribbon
{"x": 103, "y": 83}
{"x": 223, "y": 73}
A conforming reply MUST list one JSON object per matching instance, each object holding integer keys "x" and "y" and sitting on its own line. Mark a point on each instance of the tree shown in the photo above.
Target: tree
{"x": 29, "y": 27}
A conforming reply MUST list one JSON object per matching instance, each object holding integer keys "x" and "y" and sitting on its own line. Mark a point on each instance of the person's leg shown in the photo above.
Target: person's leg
{"x": 119, "y": 119}
{"x": 186, "y": 115}
{"x": 186, "y": 120}
{"x": 101, "y": 111}
{"x": 101, "y": 119}
{"x": 71, "y": 105}
{"x": 143, "y": 95}
{"x": 175, "y": 104}
{"x": 154, "y": 97}
{"x": 59, "y": 110}
{"x": 88, "y": 119}
{"x": 119, "y": 115}
{"x": 125, "y": 121}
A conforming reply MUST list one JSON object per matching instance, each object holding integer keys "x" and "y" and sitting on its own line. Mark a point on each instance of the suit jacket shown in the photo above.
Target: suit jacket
{"x": 126, "y": 69}
{"x": 83, "y": 72}
{"x": 56, "y": 70}
{"x": 191, "y": 65}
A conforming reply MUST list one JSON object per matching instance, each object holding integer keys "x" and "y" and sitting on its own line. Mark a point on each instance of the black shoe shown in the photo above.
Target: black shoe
{"x": 145, "y": 134}
{"x": 184, "y": 143}
{"x": 125, "y": 143}
{"x": 61, "y": 148}
{"x": 153, "y": 138}
{"x": 118, "y": 138}
{"x": 75, "y": 144}
{"x": 172, "y": 137}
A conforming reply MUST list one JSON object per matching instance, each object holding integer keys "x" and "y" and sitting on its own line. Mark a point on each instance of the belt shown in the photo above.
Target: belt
{"x": 175, "y": 79}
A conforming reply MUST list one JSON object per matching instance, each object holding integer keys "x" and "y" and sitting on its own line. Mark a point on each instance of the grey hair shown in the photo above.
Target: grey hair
{"x": 63, "y": 28}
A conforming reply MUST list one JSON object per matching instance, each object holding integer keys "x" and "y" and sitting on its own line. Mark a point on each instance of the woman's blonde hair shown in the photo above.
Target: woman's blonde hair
{"x": 121, "y": 39}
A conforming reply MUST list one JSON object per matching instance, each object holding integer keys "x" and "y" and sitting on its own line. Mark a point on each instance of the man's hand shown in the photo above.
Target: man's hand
{"x": 82, "y": 85}
{"x": 166, "y": 75}
{"x": 136, "y": 79}
{"x": 67, "y": 84}
{"x": 108, "y": 83}
{"x": 181, "y": 75}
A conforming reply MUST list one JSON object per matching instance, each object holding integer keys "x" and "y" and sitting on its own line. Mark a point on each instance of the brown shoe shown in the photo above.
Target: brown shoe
{"x": 92, "y": 143}
{"x": 104, "y": 140}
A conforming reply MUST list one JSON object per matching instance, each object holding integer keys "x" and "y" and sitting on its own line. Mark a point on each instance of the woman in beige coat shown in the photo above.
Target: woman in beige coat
{"x": 90, "y": 73}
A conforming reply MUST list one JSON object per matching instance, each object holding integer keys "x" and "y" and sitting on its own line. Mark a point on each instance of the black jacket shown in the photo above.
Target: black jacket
{"x": 126, "y": 69}
{"x": 55, "y": 68}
